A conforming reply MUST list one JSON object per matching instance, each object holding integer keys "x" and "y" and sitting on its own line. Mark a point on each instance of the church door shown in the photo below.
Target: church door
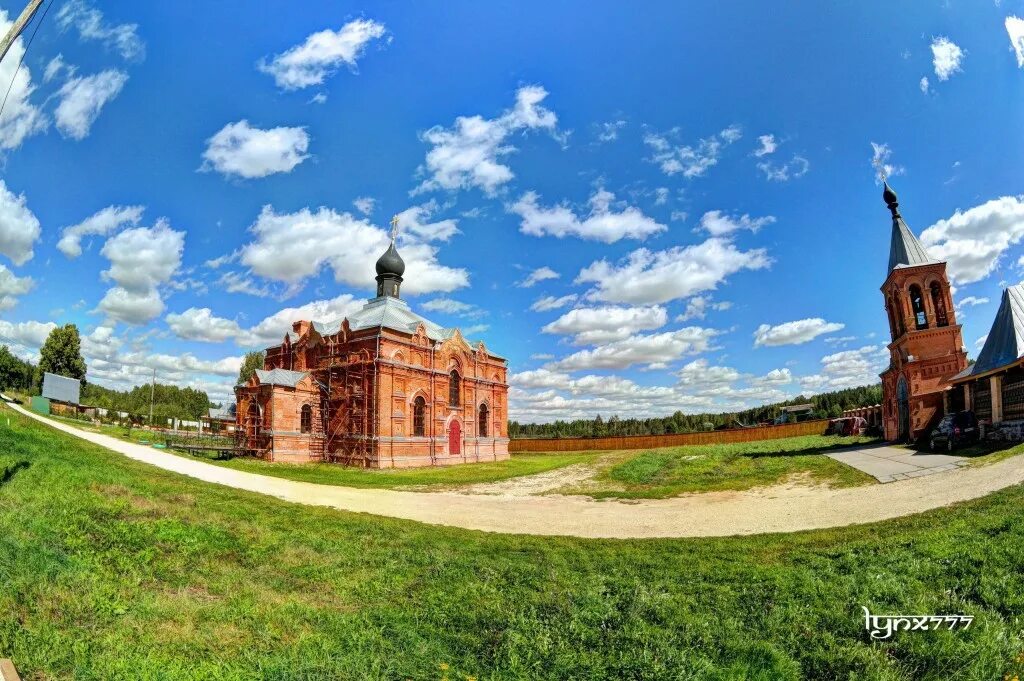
{"x": 455, "y": 439}
{"x": 903, "y": 409}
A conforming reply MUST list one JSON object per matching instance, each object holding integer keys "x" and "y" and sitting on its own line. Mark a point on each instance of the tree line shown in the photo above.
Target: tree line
{"x": 61, "y": 354}
{"x": 826, "y": 405}
{"x": 169, "y": 401}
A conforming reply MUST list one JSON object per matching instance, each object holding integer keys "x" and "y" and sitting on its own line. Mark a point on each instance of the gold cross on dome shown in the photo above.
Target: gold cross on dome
{"x": 394, "y": 228}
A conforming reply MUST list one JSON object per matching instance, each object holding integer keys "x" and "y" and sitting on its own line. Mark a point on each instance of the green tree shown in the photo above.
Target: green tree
{"x": 62, "y": 353}
{"x": 251, "y": 362}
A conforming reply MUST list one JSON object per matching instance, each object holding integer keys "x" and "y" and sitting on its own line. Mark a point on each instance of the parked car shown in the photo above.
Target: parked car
{"x": 955, "y": 429}
{"x": 847, "y": 425}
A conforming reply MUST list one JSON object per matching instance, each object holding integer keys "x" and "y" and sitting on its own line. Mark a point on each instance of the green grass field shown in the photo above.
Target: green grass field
{"x": 660, "y": 473}
{"x": 111, "y": 569}
{"x": 653, "y": 473}
{"x": 424, "y": 478}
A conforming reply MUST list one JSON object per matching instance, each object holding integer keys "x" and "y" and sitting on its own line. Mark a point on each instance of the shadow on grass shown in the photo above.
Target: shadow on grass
{"x": 12, "y": 470}
{"x": 814, "y": 449}
{"x": 972, "y": 451}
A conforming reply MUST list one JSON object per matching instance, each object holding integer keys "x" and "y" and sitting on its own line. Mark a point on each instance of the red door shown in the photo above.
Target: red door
{"x": 455, "y": 439}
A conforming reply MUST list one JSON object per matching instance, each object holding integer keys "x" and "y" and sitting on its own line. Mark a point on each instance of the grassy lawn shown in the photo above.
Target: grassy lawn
{"x": 112, "y": 569}
{"x": 654, "y": 473}
{"x": 428, "y": 478}
{"x": 667, "y": 472}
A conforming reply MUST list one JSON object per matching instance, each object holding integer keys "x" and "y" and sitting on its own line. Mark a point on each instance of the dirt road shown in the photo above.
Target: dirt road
{"x": 786, "y": 508}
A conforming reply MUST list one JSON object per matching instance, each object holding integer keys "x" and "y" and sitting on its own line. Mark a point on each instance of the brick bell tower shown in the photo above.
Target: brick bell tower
{"x": 927, "y": 347}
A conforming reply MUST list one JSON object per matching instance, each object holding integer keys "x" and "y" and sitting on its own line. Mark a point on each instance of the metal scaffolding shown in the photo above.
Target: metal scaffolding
{"x": 348, "y": 412}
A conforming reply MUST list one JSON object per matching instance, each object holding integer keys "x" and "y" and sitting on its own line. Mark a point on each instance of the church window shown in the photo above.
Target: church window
{"x": 419, "y": 408}
{"x": 306, "y": 420}
{"x": 939, "y": 305}
{"x": 898, "y": 312}
{"x": 917, "y": 304}
{"x": 482, "y": 420}
{"x": 454, "y": 392}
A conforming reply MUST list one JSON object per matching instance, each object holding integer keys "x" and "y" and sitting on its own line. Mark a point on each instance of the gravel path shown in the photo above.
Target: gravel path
{"x": 785, "y": 508}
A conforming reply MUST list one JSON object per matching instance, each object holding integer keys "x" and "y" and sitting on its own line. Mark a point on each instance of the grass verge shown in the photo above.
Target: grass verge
{"x": 422, "y": 478}
{"x": 670, "y": 471}
{"x": 113, "y": 569}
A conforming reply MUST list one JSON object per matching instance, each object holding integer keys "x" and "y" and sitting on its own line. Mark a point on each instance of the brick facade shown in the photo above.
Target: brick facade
{"x": 395, "y": 394}
{"x": 927, "y": 347}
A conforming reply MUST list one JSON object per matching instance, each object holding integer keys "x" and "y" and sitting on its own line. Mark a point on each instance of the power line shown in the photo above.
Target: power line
{"x": 20, "y": 61}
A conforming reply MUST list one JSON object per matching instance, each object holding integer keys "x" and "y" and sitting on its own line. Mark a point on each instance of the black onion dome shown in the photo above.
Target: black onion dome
{"x": 889, "y": 196}
{"x": 391, "y": 262}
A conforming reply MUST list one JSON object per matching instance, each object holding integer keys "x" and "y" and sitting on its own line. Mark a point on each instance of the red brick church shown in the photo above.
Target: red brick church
{"x": 383, "y": 388}
{"x": 927, "y": 349}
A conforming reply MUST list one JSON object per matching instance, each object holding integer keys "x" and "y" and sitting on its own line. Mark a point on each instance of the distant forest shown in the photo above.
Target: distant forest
{"x": 169, "y": 401}
{"x": 826, "y": 405}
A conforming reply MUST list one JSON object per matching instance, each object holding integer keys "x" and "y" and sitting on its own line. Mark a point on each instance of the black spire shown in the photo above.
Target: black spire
{"x": 904, "y": 248}
{"x": 390, "y": 268}
{"x": 891, "y": 200}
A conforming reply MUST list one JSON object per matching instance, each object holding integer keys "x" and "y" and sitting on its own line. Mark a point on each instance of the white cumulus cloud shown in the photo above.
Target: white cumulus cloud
{"x": 768, "y": 145}
{"x": 793, "y": 333}
{"x": 101, "y": 223}
{"x": 596, "y": 325}
{"x": 973, "y": 241}
{"x": 141, "y": 259}
{"x": 83, "y": 98}
{"x": 199, "y": 323}
{"x": 291, "y": 247}
{"x": 538, "y": 275}
{"x": 122, "y": 38}
{"x": 548, "y": 303}
{"x": 946, "y": 57}
{"x": 12, "y": 286}
{"x": 321, "y": 54}
{"x": 690, "y": 160}
{"x": 244, "y": 151}
{"x": 417, "y": 222}
{"x": 783, "y": 172}
{"x": 469, "y": 153}
{"x": 19, "y": 227}
{"x": 655, "y": 351}
{"x": 647, "y": 277}
{"x": 717, "y": 223}
{"x": 20, "y": 119}
{"x": 604, "y": 223}
{"x": 1015, "y": 30}
{"x": 881, "y": 161}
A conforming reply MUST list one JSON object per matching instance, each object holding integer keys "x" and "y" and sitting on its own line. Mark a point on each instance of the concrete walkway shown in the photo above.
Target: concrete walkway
{"x": 889, "y": 464}
{"x": 785, "y": 508}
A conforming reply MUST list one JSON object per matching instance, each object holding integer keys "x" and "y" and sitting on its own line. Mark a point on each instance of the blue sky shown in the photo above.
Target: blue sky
{"x": 645, "y": 211}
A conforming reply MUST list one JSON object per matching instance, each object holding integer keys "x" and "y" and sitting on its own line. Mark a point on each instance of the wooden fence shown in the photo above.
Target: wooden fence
{"x": 711, "y": 437}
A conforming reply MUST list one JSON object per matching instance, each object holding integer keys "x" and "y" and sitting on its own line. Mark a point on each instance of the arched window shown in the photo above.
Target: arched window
{"x": 898, "y": 312}
{"x": 917, "y": 304}
{"x": 453, "y": 389}
{"x": 890, "y": 307}
{"x": 419, "y": 410}
{"x": 939, "y": 305}
{"x": 306, "y": 421}
{"x": 482, "y": 424}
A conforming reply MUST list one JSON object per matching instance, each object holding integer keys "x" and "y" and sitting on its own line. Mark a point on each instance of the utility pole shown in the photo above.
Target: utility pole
{"x": 152, "y": 389}
{"x": 19, "y": 26}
